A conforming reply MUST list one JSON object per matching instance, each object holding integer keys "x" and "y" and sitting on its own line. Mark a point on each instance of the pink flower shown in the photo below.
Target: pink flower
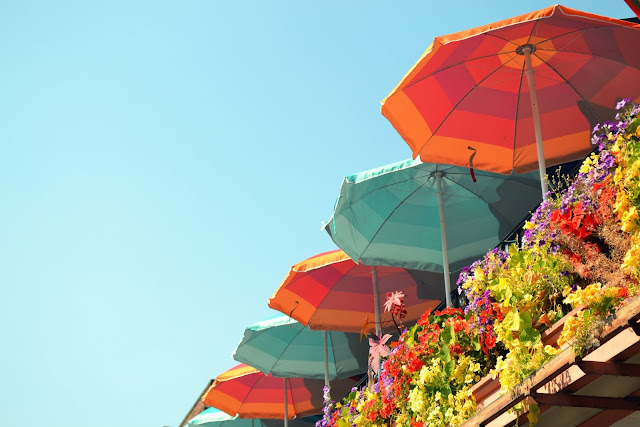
{"x": 378, "y": 348}
{"x": 394, "y": 298}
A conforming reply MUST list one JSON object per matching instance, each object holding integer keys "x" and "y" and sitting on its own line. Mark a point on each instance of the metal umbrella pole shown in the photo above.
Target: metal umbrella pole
{"x": 286, "y": 404}
{"x": 326, "y": 361}
{"x": 376, "y": 303}
{"x": 542, "y": 167}
{"x": 443, "y": 236}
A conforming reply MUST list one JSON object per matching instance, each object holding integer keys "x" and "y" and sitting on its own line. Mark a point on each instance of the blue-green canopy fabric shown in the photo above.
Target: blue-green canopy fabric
{"x": 283, "y": 347}
{"x": 390, "y": 216}
{"x": 213, "y": 417}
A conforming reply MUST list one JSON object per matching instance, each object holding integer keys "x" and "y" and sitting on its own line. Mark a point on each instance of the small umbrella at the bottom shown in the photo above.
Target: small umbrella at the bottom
{"x": 214, "y": 417}
{"x": 247, "y": 392}
{"x": 282, "y": 346}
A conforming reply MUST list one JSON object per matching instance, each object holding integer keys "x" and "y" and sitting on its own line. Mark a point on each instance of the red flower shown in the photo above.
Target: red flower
{"x": 490, "y": 341}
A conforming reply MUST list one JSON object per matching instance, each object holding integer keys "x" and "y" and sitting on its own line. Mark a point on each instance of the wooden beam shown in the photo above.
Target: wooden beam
{"x": 599, "y": 402}
{"x": 552, "y": 368}
{"x": 608, "y": 416}
{"x": 609, "y": 368}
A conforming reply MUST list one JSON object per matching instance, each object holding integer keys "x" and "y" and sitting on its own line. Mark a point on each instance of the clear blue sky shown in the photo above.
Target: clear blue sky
{"x": 163, "y": 163}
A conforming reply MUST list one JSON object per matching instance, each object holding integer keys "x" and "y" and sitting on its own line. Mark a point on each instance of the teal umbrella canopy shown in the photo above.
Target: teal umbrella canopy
{"x": 390, "y": 215}
{"x": 213, "y": 417}
{"x": 283, "y": 347}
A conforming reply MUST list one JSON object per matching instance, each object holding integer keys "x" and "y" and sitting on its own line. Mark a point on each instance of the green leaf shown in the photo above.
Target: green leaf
{"x": 448, "y": 367}
{"x": 534, "y": 413}
{"x": 530, "y": 335}
{"x": 507, "y": 296}
{"x": 525, "y": 321}
{"x": 513, "y": 249}
{"x": 447, "y": 334}
{"x": 512, "y": 320}
{"x": 445, "y": 391}
{"x": 444, "y": 354}
{"x": 476, "y": 343}
{"x": 343, "y": 423}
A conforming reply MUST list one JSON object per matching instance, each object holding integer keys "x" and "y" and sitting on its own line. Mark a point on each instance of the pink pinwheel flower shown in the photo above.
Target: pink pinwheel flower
{"x": 378, "y": 348}
{"x": 394, "y": 298}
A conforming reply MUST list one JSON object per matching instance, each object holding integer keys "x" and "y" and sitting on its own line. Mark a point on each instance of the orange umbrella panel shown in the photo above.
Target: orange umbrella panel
{"x": 469, "y": 92}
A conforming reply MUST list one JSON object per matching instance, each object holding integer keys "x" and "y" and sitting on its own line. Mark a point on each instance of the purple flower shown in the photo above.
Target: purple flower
{"x": 622, "y": 103}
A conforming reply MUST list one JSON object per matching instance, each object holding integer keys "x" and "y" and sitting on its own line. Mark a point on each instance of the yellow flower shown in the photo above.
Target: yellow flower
{"x": 629, "y": 219}
{"x": 618, "y": 176}
{"x": 588, "y": 162}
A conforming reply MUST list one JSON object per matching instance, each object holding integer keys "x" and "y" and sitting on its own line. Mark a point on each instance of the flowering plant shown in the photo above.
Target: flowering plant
{"x": 580, "y": 251}
{"x": 427, "y": 378}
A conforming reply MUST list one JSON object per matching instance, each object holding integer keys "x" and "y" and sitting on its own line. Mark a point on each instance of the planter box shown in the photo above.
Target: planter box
{"x": 487, "y": 389}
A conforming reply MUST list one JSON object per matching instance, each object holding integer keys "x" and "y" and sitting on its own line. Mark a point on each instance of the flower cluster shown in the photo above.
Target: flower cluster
{"x": 427, "y": 379}
{"x": 395, "y": 304}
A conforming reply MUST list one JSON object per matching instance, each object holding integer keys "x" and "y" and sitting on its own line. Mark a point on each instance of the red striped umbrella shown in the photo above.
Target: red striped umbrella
{"x": 488, "y": 97}
{"x": 248, "y": 393}
{"x": 330, "y": 291}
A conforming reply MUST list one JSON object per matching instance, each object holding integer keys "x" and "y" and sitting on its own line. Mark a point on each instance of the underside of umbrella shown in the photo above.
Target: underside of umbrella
{"x": 469, "y": 93}
{"x": 332, "y": 292}
{"x": 283, "y": 347}
{"x": 391, "y": 215}
{"x": 247, "y": 392}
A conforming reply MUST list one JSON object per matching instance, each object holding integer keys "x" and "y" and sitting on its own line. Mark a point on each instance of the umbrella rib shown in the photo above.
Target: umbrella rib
{"x": 287, "y": 346}
{"x": 588, "y": 104}
{"x": 458, "y": 103}
{"x": 481, "y": 198}
{"x": 508, "y": 52}
{"x": 409, "y": 178}
{"x": 453, "y": 65}
{"x": 515, "y": 120}
{"x": 579, "y": 33}
{"x": 591, "y": 55}
{"x": 390, "y": 215}
{"x": 317, "y": 307}
{"x": 517, "y": 109}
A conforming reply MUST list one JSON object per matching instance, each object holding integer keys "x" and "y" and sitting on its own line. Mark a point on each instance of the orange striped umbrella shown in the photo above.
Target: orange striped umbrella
{"x": 247, "y": 392}
{"x": 330, "y": 291}
{"x": 489, "y": 96}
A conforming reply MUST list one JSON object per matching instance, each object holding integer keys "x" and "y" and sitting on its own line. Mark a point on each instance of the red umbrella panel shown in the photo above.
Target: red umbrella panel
{"x": 471, "y": 99}
{"x": 330, "y": 291}
{"x": 247, "y": 392}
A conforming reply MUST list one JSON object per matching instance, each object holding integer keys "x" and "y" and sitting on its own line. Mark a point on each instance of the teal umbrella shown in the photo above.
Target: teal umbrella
{"x": 428, "y": 216}
{"x": 213, "y": 417}
{"x": 283, "y": 347}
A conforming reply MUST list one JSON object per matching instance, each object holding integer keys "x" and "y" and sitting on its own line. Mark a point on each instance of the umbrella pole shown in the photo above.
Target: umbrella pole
{"x": 376, "y": 299}
{"x": 542, "y": 167}
{"x": 286, "y": 404}
{"x": 443, "y": 235}
{"x": 326, "y": 358}
{"x": 376, "y": 303}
